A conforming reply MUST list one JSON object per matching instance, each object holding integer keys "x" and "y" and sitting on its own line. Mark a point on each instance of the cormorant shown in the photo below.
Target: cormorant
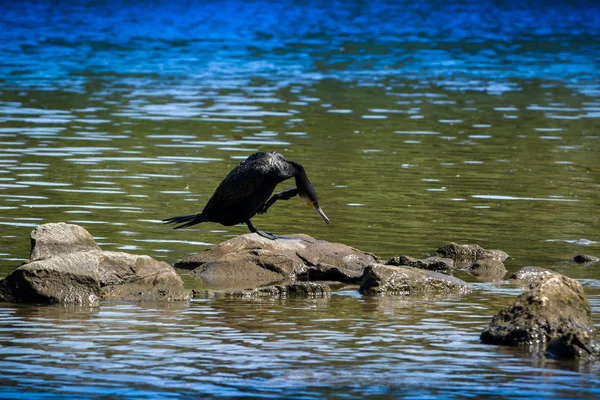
{"x": 246, "y": 189}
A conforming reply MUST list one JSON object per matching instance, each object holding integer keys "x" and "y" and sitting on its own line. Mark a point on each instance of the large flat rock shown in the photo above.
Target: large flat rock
{"x": 250, "y": 261}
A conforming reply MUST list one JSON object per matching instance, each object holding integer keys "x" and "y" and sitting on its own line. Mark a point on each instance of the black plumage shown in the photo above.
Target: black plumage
{"x": 246, "y": 191}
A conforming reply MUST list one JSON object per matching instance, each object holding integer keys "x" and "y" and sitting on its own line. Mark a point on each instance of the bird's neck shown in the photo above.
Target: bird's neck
{"x": 305, "y": 187}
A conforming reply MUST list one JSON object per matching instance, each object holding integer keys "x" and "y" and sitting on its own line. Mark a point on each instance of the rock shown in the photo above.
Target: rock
{"x": 52, "y": 239}
{"x": 433, "y": 263}
{"x": 585, "y": 259}
{"x": 87, "y": 275}
{"x": 466, "y": 254}
{"x": 404, "y": 280}
{"x": 497, "y": 255}
{"x": 131, "y": 277}
{"x": 490, "y": 269}
{"x": 552, "y": 308}
{"x": 530, "y": 274}
{"x": 300, "y": 289}
{"x": 571, "y": 346}
{"x": 251, "y": 261}
{"x": 462, "y": 254}
{"x": 328, "y": 272}
{"x": 69, "y": 278}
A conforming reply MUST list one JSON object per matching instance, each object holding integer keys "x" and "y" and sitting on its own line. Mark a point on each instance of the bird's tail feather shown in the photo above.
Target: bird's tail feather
{"x": 185, "y": 220}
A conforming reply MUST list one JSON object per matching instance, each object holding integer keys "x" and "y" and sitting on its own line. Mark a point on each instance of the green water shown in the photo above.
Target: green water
{"x": 401, "y": 167}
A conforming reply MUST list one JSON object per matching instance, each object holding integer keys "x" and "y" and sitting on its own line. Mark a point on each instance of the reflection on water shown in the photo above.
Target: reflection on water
{"x": 419, "y": 123}
{"x": 313, "y": 347}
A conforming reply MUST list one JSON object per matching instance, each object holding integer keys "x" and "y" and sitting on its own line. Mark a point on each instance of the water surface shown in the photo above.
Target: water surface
{"x": 418, "y": 123}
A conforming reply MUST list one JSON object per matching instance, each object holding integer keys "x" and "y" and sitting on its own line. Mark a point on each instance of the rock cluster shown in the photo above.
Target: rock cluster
{"x": 486, "y": 265}
{"x": 67, "y": 266}
{"x": 274, "y": 266}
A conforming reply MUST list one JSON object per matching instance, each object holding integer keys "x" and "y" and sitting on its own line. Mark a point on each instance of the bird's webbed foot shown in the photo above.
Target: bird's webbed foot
{"x": 267, "y": 235}
{"x": 264, "y": 234}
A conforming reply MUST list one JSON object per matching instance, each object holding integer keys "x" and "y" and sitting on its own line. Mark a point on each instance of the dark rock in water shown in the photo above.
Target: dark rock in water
{"x": 87, "y": 275}
{"x": 460, "y": 253}
{"x": 530, "y": 274}
{"x": 301, "y": 289}
{"x": 488, "y": 269}
{"x": 571, "y": 346}
{"x": 433, "y": 263}
{"x": 466, "y": 254}
{"x": 251, "y": 261}
{"x": 551, "y": 308}
{"x": 585, "y": 259}
{"x": 49, "y": 240}
{"x": 404, "y": 280}
{"x": 328, "y": 272}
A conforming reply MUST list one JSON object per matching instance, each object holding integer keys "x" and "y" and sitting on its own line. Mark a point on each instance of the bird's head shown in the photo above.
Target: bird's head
{"x": 311, "y": 200}
{"x": 306, "y": 190}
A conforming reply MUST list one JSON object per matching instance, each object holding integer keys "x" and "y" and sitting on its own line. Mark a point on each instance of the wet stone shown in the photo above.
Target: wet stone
{"x": 552, "y": 308}
{"x": 84, "y": 274}
{"x": 497, "y": 255}
{"x": 585, "y": 259}
{"x": 529, "y": 273}
{"x": 70, "y": 278}
{"x": 52, "y": 239}
{"x": 299, "y": 289}
{"x": 433, "y": 263}
{"x": 250, "y": 261}
{"x": 573, "y": 345}
{"x": 489, "y": 268}
{"x": 462, "y": 254}
{"x": 409, "y": 281}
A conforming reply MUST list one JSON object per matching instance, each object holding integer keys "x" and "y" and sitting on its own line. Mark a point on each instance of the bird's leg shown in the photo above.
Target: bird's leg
{"x": 283, "y": 195}
{"x": 261, "y": 233}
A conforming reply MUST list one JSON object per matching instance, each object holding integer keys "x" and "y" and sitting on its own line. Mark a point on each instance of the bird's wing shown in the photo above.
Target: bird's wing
{"x": 237, "y": 187}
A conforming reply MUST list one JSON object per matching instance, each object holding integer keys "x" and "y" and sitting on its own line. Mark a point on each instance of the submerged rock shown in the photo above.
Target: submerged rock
{"x": 466, "y": 254}
{"x": 572, "y": 345}
{"x": 433, "y": 263}
{"x": 553, "y": 308}
{"x": 585, "y": 259}
{"x": 462, "y": 254}
{"x": 488, "y": 269}
{"x": 84, "y": 274}
{"x": 404, "y": 280}
{"x": 301, "y": 289}
{"x": 250, "y": 261}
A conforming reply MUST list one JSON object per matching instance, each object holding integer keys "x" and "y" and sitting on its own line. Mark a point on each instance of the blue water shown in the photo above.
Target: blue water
{"x": 419, "y": 123}
{"x": 61, "y": 44}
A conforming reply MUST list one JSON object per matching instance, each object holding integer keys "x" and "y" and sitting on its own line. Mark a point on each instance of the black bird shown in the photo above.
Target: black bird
{"x": 246, "y": 189}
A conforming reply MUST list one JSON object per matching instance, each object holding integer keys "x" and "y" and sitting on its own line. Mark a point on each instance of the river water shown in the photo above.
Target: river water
{"x": 419, "y": 123}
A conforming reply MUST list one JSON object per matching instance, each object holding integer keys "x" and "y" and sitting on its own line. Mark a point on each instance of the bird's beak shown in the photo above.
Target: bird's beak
{"x": 318, "y": 210}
